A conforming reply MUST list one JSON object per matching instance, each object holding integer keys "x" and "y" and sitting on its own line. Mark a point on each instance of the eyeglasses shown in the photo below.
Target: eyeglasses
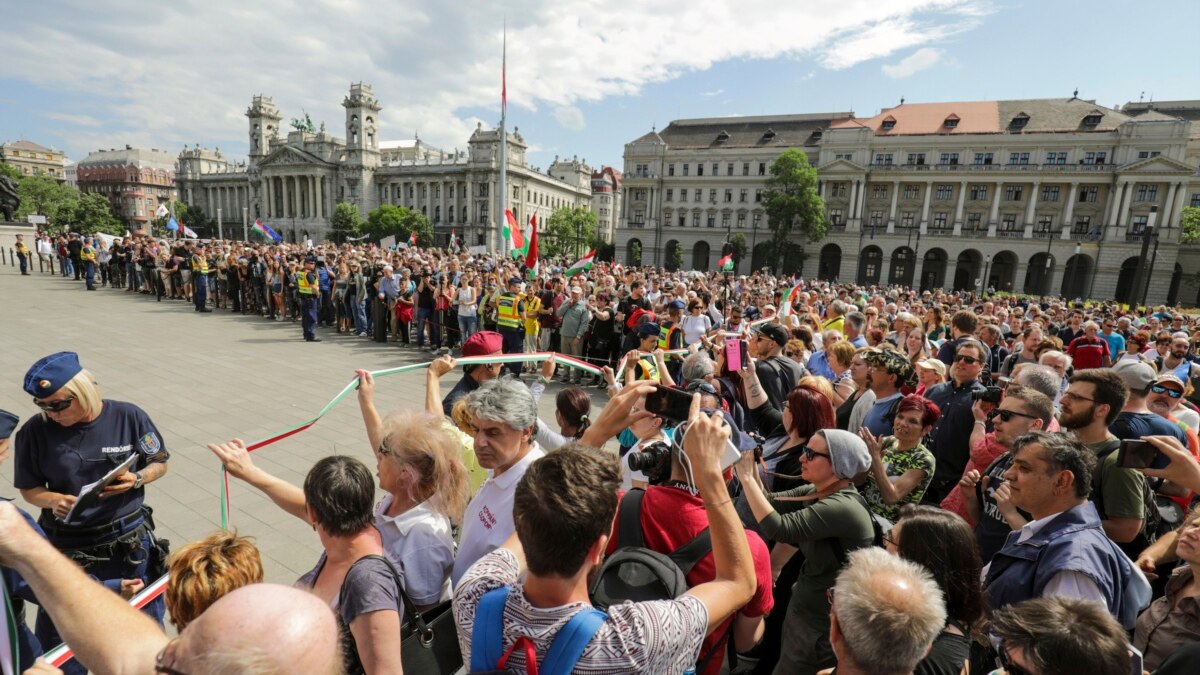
{"x": 1160, "y": 389}
{"x": 969, "y": 360}
{"x": 55, "y": 406}
{"x": 810, "y": 454}
{"x": 1072, "y": 396}
{"x": 703, "y": 387}
{"x": 1007, "y": 664}
{"x": 160, "y": 667}
{"x": 1007, "y": 415}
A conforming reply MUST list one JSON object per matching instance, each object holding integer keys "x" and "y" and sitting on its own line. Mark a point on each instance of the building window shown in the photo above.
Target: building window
{"x": 639, "y": 217}
{"x": 1020, "y": 158}
{"x": 682, "y": 220}
{"x": 907, "y": 218}
{"x": 1144, "y": 154}
{"x": 696, "y": 219}
{"x": 699, "y": 169}
{"x": 950, "y": 158}
{"x": 742, "y": 195}
{"x": 974, "y": 221}
{"x": 979, "y": 193}
{"x": 1083, "y": 225}
{"x": 941, "y": 220}
{"x": 984, "y": 158}
{"x": 1008, "y": 222}
{"x": 746, "y": 168}
{"x": 1054, "y": 158}
{"x": 712, "y": 220}
{"x": 758, "y": 196}
{"x": 762, "y": 168}
{"x": 1088, "y": 194}
{"x": 847, "y": 156}
{"x": 917, "y": 158}
{"x": 837, "y": 190}
{"x": 1195, "y": 203}
{"x": 1139, "y": 224}
{"x": 1013, "y": 193}
{"x": 1094, "y": 157}
{"x": 883, "y": 159}
{"x": 670, "y": 169}
{"x": 1044, "y": 223}
{"x": 1146, "y": 193}
{"x": 741, "y": 220}
{"x": 728, "y": 196}
{"x": 879, "y": 192}
{"x": 876, "y": 218}
{"x": 716, "y": 169}
{"x": 699, "y": 195}
{"x": 911, "y": 191}
{"x": 945, "y": 192}
{"x": 888, "y": 124}
{"x": 483, "y": 213}
{"x": 757, "y": 220}
{"x": 725, "y": 221}
{"x": 835, "y": 216}
{"x": 712, "y": 196}
{"x": 670, "y": 195}
{"x": 1050, "y": 193}
{"x": 685, "y": 169}
{"x": 729, "y": 169}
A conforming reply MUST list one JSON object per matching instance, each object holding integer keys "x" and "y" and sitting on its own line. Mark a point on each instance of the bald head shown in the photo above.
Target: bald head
{"x": 262, "y": 628}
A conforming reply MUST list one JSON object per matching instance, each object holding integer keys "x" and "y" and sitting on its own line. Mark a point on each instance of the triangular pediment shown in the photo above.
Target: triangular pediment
{"x": 290, "y": 156}
{"x": 842, "y": 166}
{"x": 1158, "y": 164}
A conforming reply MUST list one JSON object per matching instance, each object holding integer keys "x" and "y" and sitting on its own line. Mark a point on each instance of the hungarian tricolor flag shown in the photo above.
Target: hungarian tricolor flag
{"x": 582, "y": 264}
{"x": 266, "y": 231}
{"x": 412, "y": 239}
{"x": 726, "y": 264}
{"x": 531, "y": 255}
{"x": 785, "y": 305}
{"x": 512, "y": 233}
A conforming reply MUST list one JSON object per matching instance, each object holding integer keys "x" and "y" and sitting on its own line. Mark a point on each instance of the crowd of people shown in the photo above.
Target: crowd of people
{"x": 786, "y": 476}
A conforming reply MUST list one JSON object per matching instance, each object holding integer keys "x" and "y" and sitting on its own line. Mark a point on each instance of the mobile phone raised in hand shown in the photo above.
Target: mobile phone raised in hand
{"x": 669, "y": 404}
{"x": 1135, "y": 453}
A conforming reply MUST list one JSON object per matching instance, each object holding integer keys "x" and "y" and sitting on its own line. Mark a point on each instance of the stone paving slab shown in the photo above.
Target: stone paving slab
{"x": 204, "y": 378}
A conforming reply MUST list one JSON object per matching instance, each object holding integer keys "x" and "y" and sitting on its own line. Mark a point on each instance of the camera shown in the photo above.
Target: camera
{"x": 988, "y": 395}
{"x": 654, "y": 461}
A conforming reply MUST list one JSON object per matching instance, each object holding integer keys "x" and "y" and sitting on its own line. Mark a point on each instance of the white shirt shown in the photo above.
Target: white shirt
{"x": 629, "y": 475}
{"x": 419, "y": 541}
{"x": 489, "y": 519}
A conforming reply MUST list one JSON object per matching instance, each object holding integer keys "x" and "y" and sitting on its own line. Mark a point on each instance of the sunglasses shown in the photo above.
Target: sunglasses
{"x": 1160, "y": 389}
{"x": 1007, "y": 664}
{"x": 56, "y": 406}
{"x": 969, "y": 360}
{"x": 703, "y": 387}
{"x": 1007, "y": 415}
{"x": 810, "y": 454}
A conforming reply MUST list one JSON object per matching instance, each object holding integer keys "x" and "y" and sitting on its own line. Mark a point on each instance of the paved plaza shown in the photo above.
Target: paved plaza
{"x": 204, "y": 378}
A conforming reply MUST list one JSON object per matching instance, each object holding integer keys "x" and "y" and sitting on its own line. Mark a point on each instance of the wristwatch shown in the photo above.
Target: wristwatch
{"x": 137, "y": 482}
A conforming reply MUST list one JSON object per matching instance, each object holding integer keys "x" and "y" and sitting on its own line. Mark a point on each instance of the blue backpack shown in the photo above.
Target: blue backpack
{"x": 487, "y": 639}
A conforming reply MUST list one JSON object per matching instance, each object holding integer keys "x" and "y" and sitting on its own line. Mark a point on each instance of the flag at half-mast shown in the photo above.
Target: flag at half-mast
{"x": 789, "y": 298}
{"x": 725, "y": 264}
{"x": 582, "y": 264}
{"x": 531, "y": 252}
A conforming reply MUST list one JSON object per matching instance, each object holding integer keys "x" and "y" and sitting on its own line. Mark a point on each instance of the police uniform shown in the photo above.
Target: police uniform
{"x": 113, "y": 538}
{"x": 646, "y": 366}
{"x": 307, "y": 287}
{"x": 23, "y": 256}
{"x": 509, "y": 308}
{"x": 200, "y": 280}
{"x": 87, "y": 256}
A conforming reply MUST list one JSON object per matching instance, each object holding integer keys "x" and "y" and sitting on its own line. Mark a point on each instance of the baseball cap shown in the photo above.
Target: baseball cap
{"x": 1170, "y": 378}
{"x": 894, "y": 363}
{"x": 774, "y": 332}
{"x": 676, "y": 304}
{"x": 483, "y": 343}
{"x": 1135, "y": 374}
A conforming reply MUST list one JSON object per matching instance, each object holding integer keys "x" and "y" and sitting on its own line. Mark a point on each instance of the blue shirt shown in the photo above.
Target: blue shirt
{"x": 1116, "y": 345}
{"x": 64, "y": 459}
{"x": 818, "y": 364}
{"x": 859, "y": 342}
{"x": 1137, "y": 425}
{"x": 877, "y": 417}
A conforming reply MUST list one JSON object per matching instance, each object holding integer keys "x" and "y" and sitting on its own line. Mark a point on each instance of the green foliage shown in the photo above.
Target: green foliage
{"x": 9, "y": 170}
{"x": 738, "y": 243}
{"x": 792, "y": 203}
{"x": 635, "y": 254}
{"x": 605, "y": 252}
{"x": 347, "y": 223}
{"x": 91, "y": 214}
{"x": 385, "y": 221}
{"x": 675, "y": 257}
{"x": 48, "y": 197}
{"x": 568, "y": 231}
{"x": 1190, "y": 225}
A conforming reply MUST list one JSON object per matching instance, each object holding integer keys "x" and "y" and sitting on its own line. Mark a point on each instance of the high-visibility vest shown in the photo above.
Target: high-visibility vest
{"x": 836, "y": 323}
{"x": 305, "y": 286}
{"x": 664, "y": 335}
{"x": 647, "y": 368}
{"x": 87, "y": 254}
{"x": 200, "y": 264}
{"x": 507, "y": 314}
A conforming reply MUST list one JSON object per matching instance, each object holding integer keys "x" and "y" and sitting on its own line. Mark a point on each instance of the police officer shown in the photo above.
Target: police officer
{"x": 77, "y": 439}
{"x": 308, "y": 287}
{"x": 87, "y": 257}
{"x": 23, "y": 255}
{"x": 200, "y": 278}
{"x": 510, "y": 321}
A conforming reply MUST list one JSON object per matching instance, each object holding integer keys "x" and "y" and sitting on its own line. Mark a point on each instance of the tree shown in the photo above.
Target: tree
{"x": 48, "y": 197}
{"x": 389, "y": 220}
{"x": 1190, "y": 228}
{"x": 792, "y": 203}
{"x": 738, "y": 244}
{"x": 568, "y": 231}
{"x": 675, "y": 257}
{"x": 9, "y": 170}
{"x": 92, "y": 214}
{"x": 347, "y": 223}
{"x": 635, "y": 254}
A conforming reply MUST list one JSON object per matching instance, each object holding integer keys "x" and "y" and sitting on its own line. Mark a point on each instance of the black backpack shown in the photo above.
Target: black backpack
{"x": 1160, "y": 514}
{"x": 634, "y": 572}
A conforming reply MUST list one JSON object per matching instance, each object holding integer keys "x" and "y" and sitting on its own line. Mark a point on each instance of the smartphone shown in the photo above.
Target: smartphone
{"x": 733, "y": 354}
{"x": 1135, "y": 453}
{"x": 670, "y": 404}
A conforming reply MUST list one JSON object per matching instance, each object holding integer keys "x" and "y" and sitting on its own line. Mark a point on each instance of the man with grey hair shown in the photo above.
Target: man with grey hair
{"x": 504, "y": 415}
{"x": 886, "y": 613}
{"x": 855, "y": 323}
{"x": 1039, "y": 378}
{"x": 1061, "y": 364}
{"x": 696, "y": 367}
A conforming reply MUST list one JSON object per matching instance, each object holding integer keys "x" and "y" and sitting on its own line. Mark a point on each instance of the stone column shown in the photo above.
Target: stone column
{"x": 1126, "y": 200}
{"x": 269, "y": 202}
{"x": 1033, "y": 199}
{"x": 925, "y": 205}
{"x": 1070, "y": 212}
{"x": 1168, "y": 207}
{"x": 994, "y": 215}
{"x": 312, "y": 197}
{"x": 895, "y": 196}
{"x": 962, "y": 200}
{"x": 853, "y": 200}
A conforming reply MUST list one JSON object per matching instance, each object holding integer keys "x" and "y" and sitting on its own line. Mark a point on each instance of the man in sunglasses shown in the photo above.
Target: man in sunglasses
{"x": 951, "y": 436}
{"x": 1166, "y": 399}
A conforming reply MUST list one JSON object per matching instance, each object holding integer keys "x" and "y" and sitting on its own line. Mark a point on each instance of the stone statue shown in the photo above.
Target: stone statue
{"x": 305, "y": 124}
{"x": 9, "y": 199}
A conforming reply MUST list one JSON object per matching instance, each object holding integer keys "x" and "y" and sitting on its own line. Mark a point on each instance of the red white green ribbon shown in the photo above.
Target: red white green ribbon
{"x": 62, "y": 653}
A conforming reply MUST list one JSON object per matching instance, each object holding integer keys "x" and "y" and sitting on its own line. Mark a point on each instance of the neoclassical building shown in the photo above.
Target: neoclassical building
{"x": 295, "y": 183}
{"x": 1034, "y": 196}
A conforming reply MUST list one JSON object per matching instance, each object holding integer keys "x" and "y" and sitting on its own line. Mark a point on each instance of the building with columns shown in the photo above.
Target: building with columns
{"x": 1041, "y": 196}
{"x": 134, "y": 180}
{"x": 294, "y": 185}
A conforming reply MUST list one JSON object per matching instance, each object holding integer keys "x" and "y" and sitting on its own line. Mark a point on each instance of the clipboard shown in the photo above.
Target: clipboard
{"x": 90, "y": 494}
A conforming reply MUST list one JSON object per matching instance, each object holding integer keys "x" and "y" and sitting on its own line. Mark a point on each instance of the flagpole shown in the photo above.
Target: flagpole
{"x": 500, "y": 248}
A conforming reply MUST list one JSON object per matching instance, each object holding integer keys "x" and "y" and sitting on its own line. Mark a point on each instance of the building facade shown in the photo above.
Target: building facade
{"x": 606, "y": 201}
{"x": 1041, "y": 196}
{"x": 32, "y": 159}
{"x": 294, "y": 185}
{"x": 134, "y": 180}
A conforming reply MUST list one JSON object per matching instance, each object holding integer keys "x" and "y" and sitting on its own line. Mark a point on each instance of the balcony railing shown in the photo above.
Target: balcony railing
{"x": 1045, "y": 234}
{"x": 837, "y": 227}
{"x": 1011, "y": 234}
{"x": 979, "y": 233}
{"x": 994, "y": 167}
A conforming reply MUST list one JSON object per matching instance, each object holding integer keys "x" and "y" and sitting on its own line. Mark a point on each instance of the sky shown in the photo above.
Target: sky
{"x": 583, "y": 78}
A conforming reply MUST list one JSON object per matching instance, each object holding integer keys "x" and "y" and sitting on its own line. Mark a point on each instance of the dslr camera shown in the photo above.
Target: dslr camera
{"x": 988, "y": 395}
{"x": 654, "y": 460}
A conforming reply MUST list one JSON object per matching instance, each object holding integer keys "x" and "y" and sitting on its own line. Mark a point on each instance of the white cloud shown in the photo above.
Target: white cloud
{"x": 570, "y": 117}
{"x": 715, "y": 92}
{"x": 78, "y": 120}
{"x": 434, "y": 65}
{"x": 923, "y": 58}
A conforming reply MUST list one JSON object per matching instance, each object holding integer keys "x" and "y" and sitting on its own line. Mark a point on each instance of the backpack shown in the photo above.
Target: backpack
{"x": 634, "y": 572}
{"x": 1160, "y": 514}
{"x": 487, "y": 639}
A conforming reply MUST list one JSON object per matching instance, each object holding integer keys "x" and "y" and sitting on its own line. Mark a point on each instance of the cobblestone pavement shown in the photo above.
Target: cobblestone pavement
{"x": 204, "y": 378}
